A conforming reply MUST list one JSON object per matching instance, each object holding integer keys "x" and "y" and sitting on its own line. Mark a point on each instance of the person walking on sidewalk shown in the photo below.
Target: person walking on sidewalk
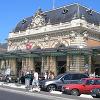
{"x": 27, "y": 81}
{"x": 35, "y": 82}
{"x": 35, "y": 79}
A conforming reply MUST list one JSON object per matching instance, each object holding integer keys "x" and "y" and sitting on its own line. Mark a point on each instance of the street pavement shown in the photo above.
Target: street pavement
{"x": 54, "y": 95}
{"x": 6, "y": 95}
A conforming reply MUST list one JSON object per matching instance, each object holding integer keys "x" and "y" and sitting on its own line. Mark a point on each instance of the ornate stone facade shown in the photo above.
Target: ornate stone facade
{"x": 56, "y": 44}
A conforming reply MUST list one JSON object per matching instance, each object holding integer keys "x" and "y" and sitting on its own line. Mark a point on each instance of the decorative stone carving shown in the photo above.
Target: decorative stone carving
{"x": 38, "y": 20}
{"x": 10, "y": 43}
{"x": 47, "y": 37}
{"x": 85, "y": 35}
{"x": 72, "y": 35}
{"x": 26, "y": 40}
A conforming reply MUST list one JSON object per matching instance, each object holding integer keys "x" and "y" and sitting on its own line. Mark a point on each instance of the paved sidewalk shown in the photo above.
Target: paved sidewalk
{"x": 13, "y": 85}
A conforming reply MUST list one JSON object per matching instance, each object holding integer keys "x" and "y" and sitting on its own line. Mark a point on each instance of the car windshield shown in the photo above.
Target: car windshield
{"x": 58, "y": 77}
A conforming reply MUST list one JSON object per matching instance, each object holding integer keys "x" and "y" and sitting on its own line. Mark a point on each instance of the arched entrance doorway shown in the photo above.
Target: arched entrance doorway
{"x": 18, "y": 66}
{"x": 61, "y": 60}
{"x": 61, "y": 64}
{"x": 37, "y": 62}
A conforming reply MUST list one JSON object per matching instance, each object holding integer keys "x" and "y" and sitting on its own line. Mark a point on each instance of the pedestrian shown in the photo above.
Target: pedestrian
{"x": 27, "y": 81}
{"x": 46, "y": 75}
{"x": 51, "y": 75}
{"x": 35, "y": 82}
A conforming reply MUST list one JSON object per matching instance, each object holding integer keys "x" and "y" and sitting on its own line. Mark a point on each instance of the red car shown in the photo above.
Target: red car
{"x": 83, "y": 87}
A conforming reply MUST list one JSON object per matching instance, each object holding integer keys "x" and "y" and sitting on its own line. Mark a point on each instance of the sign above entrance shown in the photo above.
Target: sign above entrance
{"x": 29, "y": 45}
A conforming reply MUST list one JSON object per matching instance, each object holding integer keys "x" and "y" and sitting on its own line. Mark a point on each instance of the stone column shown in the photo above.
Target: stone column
{"x": 68, "y": 64}
{"x": 23, "y": 63}
{"x": 42, "y": 65}
{"x": 53, "y": 65}
{"x": 82, "y": 63}
{"x": 28, "y": 64}
{"x": 31, "y": 64}
{"x": 7, "y": 62}
{"x": 90, "y": 69}
{"x": 47, "y": 64}
{"x": 78, "y": 63}
{"x": 12, "y": 64}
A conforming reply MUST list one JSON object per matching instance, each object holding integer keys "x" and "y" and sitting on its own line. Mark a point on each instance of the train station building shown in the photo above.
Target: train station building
{"x": 60, "y": 40}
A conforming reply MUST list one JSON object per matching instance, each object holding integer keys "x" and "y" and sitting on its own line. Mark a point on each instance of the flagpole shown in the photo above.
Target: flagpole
{"x": 53, "y": 4}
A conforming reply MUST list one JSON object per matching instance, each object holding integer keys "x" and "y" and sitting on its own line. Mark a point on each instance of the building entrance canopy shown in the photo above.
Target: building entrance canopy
{"x": 17, "y": 54}
{"x": 49, "y": 52}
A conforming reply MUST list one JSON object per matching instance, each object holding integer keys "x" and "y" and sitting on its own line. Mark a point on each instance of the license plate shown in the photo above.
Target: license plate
{"x": 93, "y": 94}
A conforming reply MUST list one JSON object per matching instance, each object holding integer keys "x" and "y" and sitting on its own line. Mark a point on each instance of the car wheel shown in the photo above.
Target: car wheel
{"x": 75, "y": 92}
{"x": 51, "y": 88}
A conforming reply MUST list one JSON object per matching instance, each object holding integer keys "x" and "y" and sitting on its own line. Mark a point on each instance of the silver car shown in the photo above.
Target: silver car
{"x": 57, "y": 82}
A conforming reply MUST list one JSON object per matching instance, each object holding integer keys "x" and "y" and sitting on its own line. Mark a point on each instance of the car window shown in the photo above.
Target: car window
{"x": 75, "y": 76}
{"x": 97, "y": 82}
{"x": 82, "y": 76}
{"x": 67, "y": 77}
{"x": 58, "y": 77}
{"x": 90, "y": 82}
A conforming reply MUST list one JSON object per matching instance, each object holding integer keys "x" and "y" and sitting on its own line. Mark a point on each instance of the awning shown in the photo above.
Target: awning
{"x": 6, "y": 55}
{"x": 78, "y": 52}
{"x": 54, "y": 54}
{"x": 30, "y": 55}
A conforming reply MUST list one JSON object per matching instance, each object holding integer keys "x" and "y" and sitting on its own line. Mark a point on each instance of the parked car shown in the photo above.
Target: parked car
{"x": 57, "y": 82}
{"x": 83, "y": 87}
{"x": 95, "y": 93}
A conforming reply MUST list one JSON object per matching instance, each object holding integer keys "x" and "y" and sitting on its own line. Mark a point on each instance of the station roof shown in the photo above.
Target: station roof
{"x": 63, "y": 14}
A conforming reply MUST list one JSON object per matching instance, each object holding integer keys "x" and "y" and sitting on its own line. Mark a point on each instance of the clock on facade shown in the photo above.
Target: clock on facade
{"x": 39, "y": 21}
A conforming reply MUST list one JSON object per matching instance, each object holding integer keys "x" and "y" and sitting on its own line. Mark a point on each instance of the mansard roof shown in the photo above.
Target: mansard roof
{"x": 63, "y": 14}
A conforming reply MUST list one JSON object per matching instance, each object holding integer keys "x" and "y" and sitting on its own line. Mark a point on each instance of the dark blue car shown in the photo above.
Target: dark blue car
{"x": 95, "y": 93}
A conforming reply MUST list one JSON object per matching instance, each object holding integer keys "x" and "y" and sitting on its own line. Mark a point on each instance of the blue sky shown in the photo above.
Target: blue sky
{"x": 12, "y": 11}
